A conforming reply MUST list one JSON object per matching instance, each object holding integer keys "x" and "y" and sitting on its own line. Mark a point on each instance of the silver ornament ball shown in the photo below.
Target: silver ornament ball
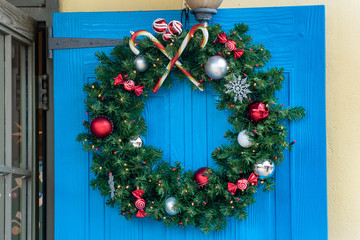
{"x": 137, "y": 142}
{"x": 264, "y": 169}
{"x": 170, "y": 206}
{"x": 141, "y": 64}
{"x": 216, "y": 67}
{"x": 244, "y": 139}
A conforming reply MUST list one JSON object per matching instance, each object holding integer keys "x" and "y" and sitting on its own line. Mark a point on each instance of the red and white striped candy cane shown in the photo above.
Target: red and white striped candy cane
{"x": 181, "y": 49}
{"x": 163, "y": 50}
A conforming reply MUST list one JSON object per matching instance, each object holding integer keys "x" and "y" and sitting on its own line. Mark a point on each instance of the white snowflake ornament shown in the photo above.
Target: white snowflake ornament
{"x": 239, "y": 87}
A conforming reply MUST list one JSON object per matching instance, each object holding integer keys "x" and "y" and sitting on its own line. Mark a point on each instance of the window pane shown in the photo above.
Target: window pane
{"x": 19, "y": 195}
{"x": 19, "y": 105}
{"x": 2, "y": 206}
{"x": 2, "y": 102}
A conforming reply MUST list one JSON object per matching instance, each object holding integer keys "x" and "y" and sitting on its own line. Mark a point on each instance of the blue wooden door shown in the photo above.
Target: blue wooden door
{"x": 187, "y": 126}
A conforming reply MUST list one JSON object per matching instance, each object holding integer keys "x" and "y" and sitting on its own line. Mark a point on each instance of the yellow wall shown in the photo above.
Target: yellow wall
{"x": 342, "y": 95}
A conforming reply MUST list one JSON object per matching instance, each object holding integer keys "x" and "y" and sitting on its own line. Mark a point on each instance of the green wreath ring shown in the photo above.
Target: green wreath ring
{"x": 134, "y": 177}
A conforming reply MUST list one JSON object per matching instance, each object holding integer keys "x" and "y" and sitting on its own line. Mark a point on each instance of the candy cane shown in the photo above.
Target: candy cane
{"x": 163, "y": 50}
{"x": 173, "y": 61}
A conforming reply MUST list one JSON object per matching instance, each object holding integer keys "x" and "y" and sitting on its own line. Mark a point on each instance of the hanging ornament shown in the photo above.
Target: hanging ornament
{"x": 243, "y": 183}
{"x": 239, "y": 87}
{"x": 216, "y": 67}
{"x": 128, "y": 85}
{"x": 137, "y": 142}
{"x": 111, "y": 185}
{"x": 244, "y": 139}
{"x": 141, "y": 64}
{"x": 201, "y": 176}
{"x": 170, "y": 206}
{"x": 101, "y": 127}
{"x": 167, "y": 36}
{"x": 264, "y": 169}
{"x": 139, "y": 203}
{"x": 230, "y": 44}
{"x": 175, "y": 28}
{"x": 258, "y": 111}
{"x": 160, "y": 25}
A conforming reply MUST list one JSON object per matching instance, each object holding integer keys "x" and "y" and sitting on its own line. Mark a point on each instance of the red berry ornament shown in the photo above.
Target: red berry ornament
{"x": 160, "y": 25}
{"x": 167, "y": 36}
{"x": 201, "y": 176}
{"x": 258, "y": 111}
{"x": 101, "y": 127}
{"x": 175, "y": 28}
{"x": 129, "y": 85}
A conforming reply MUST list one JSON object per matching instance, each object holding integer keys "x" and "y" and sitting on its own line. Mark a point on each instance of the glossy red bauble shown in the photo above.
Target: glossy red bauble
{"x": 101, "y": 127}
{"x": 175, "y": 28}
{"x": 160, "y": 25}
{"x": 257, "y": 111}
{"x": 167, "y": 36}
{"x": 201, "y": 176}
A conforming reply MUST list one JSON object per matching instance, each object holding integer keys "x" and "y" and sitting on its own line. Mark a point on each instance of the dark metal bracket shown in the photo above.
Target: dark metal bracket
{"x": 71, "y": 43}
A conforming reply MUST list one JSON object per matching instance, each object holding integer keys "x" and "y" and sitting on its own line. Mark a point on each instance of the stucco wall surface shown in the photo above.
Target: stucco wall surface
{"x": 342, "y": 95}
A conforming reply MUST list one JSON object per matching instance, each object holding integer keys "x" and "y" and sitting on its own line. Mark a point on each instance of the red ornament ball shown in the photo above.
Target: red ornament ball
{"x": 175, "y": 28}
{"x": 129, "y": 85}
{"x": 160, "y": 25}
{"x": 231, "y": 45}
{"x": 167, "y": 36}
{"x": 201, "y": 176}
{"x": 101, "y": 127}
{"x": 258, "y": 111}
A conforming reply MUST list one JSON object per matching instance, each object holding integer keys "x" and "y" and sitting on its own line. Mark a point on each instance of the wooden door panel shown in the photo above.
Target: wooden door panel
{"x": 187, "y": 126}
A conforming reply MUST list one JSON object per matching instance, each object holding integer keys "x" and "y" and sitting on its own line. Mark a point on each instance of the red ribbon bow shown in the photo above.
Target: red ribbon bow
{"x": 230, "y": 44}
{"x": 120, "y": 81}
{"x": 238, "y": 53}
{"x": 138, "y": 90}
{"x": 139, "y": 203}
{"x": 243, "y": 183}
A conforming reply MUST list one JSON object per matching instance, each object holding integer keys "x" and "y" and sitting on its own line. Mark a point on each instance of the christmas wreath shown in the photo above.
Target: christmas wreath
{"x": 134, "y": 177}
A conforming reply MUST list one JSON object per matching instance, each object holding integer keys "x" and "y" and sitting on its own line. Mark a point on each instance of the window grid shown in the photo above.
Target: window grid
{"x": 16, "y": 184}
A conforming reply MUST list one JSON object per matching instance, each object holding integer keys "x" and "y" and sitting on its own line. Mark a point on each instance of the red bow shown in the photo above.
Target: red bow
{"x": 138, "y": 90}
{"x": 120, "y": 81}
{"x": 222, "y": 38}
{"x": 139, "y": 203}
{"x": 243, "y": 183}
{"x": 230, "y": 44}
{"x": 238, "y": 53}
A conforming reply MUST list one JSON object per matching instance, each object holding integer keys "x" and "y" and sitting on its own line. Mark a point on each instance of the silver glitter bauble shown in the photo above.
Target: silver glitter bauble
{"x": 264, "y": 169}
{"x": 216, "y": 67}
{"x": 141, "y": 64}
{"x": 170, "y": 206}
{"x": 137, "y": 142}
{"x": 244, "y": 139}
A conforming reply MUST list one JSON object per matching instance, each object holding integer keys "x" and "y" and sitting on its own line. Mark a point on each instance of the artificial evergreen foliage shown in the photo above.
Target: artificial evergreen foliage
{"x": 143, "y": 168}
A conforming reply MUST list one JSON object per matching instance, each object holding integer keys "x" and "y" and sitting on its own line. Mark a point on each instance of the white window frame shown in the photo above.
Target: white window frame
{"x": 16, "y": 25}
